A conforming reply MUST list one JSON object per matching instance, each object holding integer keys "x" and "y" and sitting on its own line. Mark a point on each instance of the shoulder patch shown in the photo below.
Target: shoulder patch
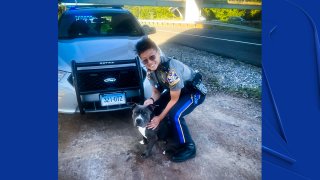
{"x": 172, "y": 77}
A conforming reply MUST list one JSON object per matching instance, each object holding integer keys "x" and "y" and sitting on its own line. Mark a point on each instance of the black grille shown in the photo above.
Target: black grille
{"x": 94, "y": 80}
{"x": 111, "y": 76}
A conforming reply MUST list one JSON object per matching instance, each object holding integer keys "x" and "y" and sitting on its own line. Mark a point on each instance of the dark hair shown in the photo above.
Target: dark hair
{"x": 145, "y": 44}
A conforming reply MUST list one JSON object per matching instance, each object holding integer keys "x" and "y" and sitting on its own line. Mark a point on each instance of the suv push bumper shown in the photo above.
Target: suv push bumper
{"x": 89, "y": 83}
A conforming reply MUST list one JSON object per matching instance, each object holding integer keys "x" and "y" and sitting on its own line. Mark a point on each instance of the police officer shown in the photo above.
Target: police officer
{"x": 170, "y": 91}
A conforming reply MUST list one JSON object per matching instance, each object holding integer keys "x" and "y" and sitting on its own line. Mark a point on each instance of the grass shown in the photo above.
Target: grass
{"x": 252, "y": 93}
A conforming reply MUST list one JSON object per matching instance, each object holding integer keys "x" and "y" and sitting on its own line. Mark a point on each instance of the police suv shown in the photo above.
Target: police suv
{"x": 98, "y": 69}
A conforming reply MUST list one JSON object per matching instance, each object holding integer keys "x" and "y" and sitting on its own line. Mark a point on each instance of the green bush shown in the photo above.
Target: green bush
{"x": 224, "y": 14}
{"x": 253, "y": 15}
{"x": 61, "y": 9}
{"x": 149, "y": 12}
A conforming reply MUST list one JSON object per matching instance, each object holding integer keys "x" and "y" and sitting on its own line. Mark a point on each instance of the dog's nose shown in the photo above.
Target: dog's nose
{"x": 138, "y": 121}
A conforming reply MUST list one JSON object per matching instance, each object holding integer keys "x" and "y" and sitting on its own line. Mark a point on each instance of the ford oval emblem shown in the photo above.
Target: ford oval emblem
{"x": 110, "y": 80}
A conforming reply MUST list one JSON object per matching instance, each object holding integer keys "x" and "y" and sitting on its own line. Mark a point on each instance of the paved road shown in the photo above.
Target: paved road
{"x": 238, "y": 44}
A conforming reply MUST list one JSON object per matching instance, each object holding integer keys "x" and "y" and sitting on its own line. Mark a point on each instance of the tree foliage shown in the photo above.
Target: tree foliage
{"x": 61, "y": 9}
{"x": 224, "y": 14}
{"x": 148, "y": 12}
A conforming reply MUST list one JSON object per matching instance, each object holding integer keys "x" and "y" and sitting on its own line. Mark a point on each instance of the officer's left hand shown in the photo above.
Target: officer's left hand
{"x": 154, "y": 123}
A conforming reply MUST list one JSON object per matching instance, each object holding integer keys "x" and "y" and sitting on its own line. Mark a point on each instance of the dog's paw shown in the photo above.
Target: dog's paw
{"x": 142, "y": 142}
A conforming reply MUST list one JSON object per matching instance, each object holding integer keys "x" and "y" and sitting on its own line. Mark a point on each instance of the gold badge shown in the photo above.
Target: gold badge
{"x": 172, "y": 78}
{"x": 149, "y": 75}
{"x": 163, "y": 76}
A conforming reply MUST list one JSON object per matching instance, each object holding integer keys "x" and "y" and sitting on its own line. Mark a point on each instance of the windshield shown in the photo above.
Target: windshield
{"x": 97, "y": 25}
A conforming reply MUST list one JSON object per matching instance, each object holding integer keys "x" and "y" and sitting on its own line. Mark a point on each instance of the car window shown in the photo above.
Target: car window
{"x": 116, "y": 24}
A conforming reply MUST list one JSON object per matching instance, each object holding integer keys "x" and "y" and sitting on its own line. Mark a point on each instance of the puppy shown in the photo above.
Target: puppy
{"x": 141, "y": 116}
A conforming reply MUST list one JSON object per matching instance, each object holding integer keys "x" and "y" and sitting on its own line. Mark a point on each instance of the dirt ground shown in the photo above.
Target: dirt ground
{"x": 226, "y": 130}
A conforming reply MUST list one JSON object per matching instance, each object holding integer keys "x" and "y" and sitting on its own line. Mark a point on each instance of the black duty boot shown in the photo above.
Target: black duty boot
{"x": 188, "y": 151}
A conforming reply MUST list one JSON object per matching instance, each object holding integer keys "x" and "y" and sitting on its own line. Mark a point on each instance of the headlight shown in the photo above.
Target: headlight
{"x": 61, "y": 74}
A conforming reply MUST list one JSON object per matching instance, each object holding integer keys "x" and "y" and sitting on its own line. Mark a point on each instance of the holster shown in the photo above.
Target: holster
{"x": 197, "y": 85}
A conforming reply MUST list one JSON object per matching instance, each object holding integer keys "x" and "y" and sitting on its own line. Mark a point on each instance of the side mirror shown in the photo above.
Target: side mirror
{"x": 148, "y": 30}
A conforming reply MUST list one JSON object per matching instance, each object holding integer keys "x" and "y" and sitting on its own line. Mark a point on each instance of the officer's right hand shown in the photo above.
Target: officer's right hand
{"x": 147, "y": 102}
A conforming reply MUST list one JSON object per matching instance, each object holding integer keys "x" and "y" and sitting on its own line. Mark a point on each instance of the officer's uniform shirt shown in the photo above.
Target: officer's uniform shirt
{"x": 173, "y": 76}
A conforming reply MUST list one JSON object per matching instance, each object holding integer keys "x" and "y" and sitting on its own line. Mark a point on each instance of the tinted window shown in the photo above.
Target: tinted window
{"x": 84, "y": 25}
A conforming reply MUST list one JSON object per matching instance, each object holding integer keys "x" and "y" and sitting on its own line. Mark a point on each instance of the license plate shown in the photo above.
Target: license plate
{"x": 112, "y": 99}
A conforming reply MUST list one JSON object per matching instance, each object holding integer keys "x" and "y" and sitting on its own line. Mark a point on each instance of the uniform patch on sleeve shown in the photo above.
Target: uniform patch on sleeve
{"x": 172, "y": 78}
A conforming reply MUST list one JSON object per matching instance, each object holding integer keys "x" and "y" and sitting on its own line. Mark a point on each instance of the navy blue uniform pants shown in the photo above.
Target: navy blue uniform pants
{"x": 187, "y": 102}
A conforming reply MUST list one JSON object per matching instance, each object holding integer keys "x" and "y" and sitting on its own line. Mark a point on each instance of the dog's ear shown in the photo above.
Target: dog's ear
{"x": 133, "y": 105}
{"x": 152, "y": 107}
